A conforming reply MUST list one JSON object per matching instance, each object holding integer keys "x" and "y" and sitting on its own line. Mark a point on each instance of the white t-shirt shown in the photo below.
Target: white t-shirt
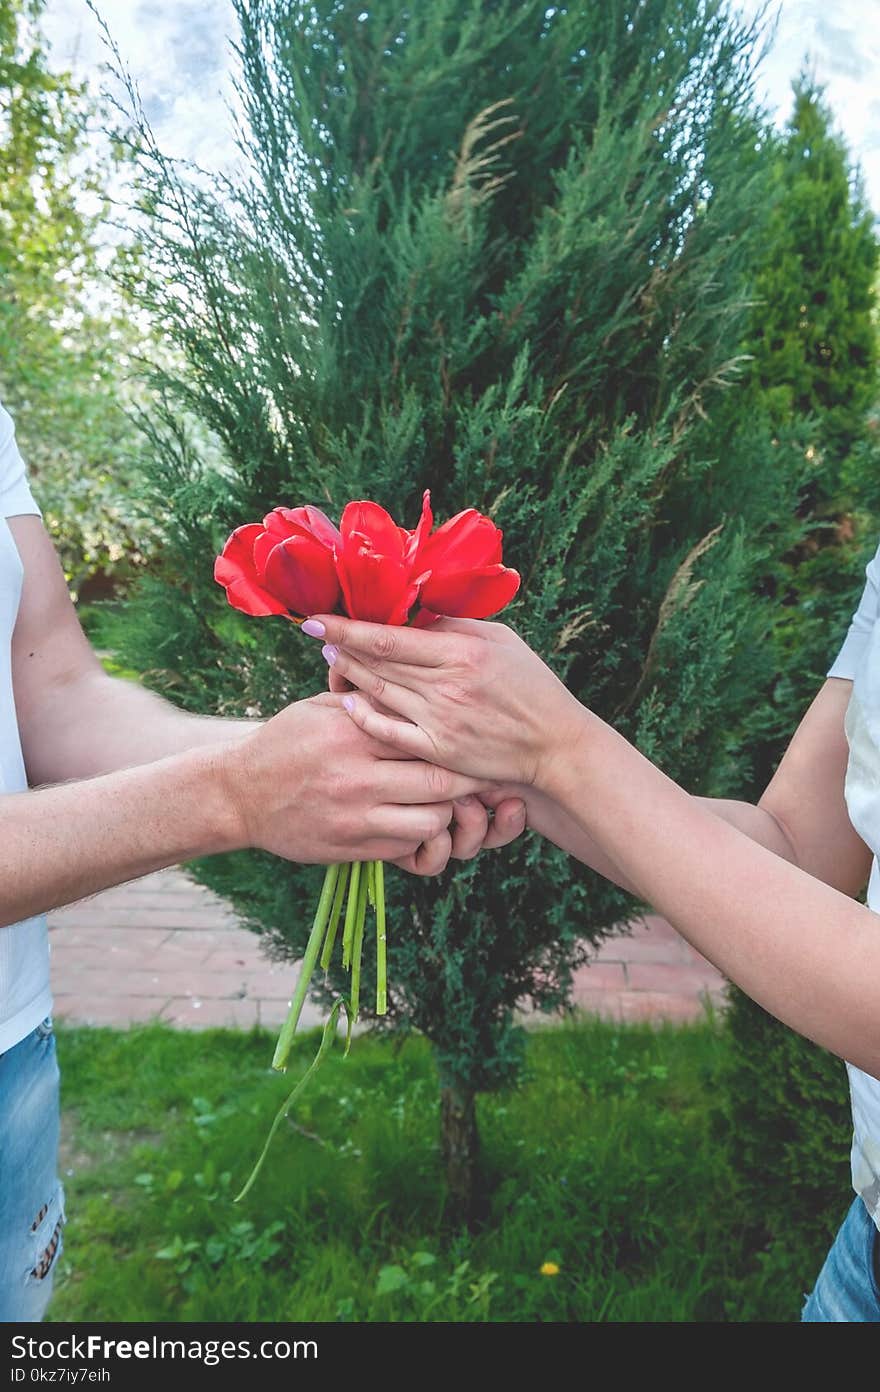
{"x": 859, "y": 662}
{"x": 25, "y": 998}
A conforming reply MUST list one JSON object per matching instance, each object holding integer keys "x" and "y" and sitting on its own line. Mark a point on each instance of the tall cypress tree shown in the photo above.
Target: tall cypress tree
{"x": 813, "y": 339}
{"x": 815, "y": 356}
{"x": 500, "y": 250}
{"x": 814, "y": 371}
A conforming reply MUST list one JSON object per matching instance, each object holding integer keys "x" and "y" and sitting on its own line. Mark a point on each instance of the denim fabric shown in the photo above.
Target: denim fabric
{"x": 848, "y": 1288}
{"x": 31, "y": 1197}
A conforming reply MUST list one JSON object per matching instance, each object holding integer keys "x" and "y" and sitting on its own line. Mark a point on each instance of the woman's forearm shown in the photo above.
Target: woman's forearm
{"x": 551, "y": 820}
{"x": 807, "y": 953}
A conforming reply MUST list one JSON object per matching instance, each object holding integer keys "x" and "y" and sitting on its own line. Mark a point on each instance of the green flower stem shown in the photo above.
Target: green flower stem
{"x": 351, "y": 913}
{"x": 381, "y": 946}
{"x": 316, "y": 937}
{"x": 371, "y": 883}
{"x": 357, "y": 952}
{"x": 335, "y": 913}
{"x": 326, "y": 1041}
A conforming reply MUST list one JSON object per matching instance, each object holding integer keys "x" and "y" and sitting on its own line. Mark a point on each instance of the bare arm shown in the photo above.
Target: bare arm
{"x": 77, "y": 722}
{"x": 802, "y": 949}
{"x": 300, "y": 787}
{"x": 475, "y": 697}
{"x": 60, "y": 844}
{"x": 801, "y": 816}
{"x": 74, "y": 720}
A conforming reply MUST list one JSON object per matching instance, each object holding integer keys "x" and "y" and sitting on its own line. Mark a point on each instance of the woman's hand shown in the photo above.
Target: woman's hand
{"x": 484, "y": 821}
{"x": 472, "y": 695}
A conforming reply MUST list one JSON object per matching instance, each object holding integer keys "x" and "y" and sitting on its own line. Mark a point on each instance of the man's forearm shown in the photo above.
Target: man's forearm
{"x": 62, "y": 843}
{"x": 549, "y": 819}
{"x": 98, "y": 724}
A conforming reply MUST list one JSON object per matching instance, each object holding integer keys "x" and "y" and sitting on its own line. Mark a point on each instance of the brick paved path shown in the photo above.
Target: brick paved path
{"x": 166, "y": 948}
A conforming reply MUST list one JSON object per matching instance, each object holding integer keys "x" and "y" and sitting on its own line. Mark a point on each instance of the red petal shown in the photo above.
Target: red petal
{"x": 468, "y": 541}
{"x": 281, "y": 522}
{"x": 322, "y": 528}
{"x": 471, "y": 594}
{"x": 372, "y": 521}
{"x": 419, "y": 536}
{"x": 302, "y": 521}
{"x": 426, "y": 618}
{"x": 252, "y": 599}
{"x": 400, "y": 613}
{"x": 376, "y": 588}
{"x": 237, "y": 557}
{"x": 263, "y": 546}
{"x": 302, "y": 573}
{"x": 235, "y": 569}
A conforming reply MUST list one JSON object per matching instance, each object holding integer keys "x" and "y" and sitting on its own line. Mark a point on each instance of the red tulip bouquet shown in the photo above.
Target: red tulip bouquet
{"x": 295, "y": 563}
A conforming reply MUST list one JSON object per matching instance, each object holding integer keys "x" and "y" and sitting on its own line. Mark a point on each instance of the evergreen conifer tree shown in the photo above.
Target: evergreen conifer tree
{"x": 814, "y": 372}
{"x": 813, "y": 338}
{"x": 500, "y": 250}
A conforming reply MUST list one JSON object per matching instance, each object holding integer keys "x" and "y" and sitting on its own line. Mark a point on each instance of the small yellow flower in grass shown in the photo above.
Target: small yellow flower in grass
{"x": 550, "y": 1269}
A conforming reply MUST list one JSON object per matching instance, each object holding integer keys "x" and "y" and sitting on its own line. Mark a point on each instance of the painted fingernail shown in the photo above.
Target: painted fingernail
{"x": 348, "y": 703}
{"x": 330, "y": 652}
{"x": 314, "y": 628}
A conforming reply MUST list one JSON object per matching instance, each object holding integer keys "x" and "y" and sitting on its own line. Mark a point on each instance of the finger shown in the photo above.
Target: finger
{"x": 431, "y": 858}
{"x": 412, "y": 824}
{"x": 508, "y": 823}
{"x": 413, "y": 782}
{"x": 469, "y": 828}
{"x": 382, "y": 688}
{"x": 496, "y": 793}
{"x": 337, "y": 683}
{"x": 398, "y": 734}
{"x": 474, "y": 628}
{"x": 421, "y": 647}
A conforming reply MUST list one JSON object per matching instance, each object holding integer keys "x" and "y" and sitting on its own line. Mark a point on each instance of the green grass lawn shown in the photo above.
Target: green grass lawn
{"x": 605, "y": 1162}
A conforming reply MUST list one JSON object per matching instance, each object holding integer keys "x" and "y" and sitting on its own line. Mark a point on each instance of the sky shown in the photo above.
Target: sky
{"x": 179, "y": 53}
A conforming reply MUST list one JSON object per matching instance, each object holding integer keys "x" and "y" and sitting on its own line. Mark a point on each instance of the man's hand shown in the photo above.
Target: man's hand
{"x": 310, "y": 786}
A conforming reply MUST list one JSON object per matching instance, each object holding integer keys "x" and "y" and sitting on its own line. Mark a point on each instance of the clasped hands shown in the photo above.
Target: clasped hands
{"x": 469, "y": 698}
{"x": 430, "y": 745}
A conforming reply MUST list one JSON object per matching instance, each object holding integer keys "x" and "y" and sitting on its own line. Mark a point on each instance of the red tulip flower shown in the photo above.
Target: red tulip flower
{"x": 375, "y": 565}
{"x": 465, "y": 578}
{"x": 297, "y": 563}
{"x": 286, "y": 565}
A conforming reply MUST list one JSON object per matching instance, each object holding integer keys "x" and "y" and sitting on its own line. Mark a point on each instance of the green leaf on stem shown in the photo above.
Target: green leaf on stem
{"x": 327, "y": 1037}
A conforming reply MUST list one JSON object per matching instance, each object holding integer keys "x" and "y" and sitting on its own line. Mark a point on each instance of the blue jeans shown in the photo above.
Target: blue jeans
{"x": 848, "y": 1288}
{"x": 31, "y": 1197}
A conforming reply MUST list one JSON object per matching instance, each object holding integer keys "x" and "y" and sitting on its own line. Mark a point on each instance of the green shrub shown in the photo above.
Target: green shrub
{"x": 783, "y": 1113}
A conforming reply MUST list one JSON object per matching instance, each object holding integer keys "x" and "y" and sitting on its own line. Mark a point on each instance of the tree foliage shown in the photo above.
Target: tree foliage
{"x": 502, "y": 251}
{"x": 814, "y": 340}
{"x": 64, "y": 339}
